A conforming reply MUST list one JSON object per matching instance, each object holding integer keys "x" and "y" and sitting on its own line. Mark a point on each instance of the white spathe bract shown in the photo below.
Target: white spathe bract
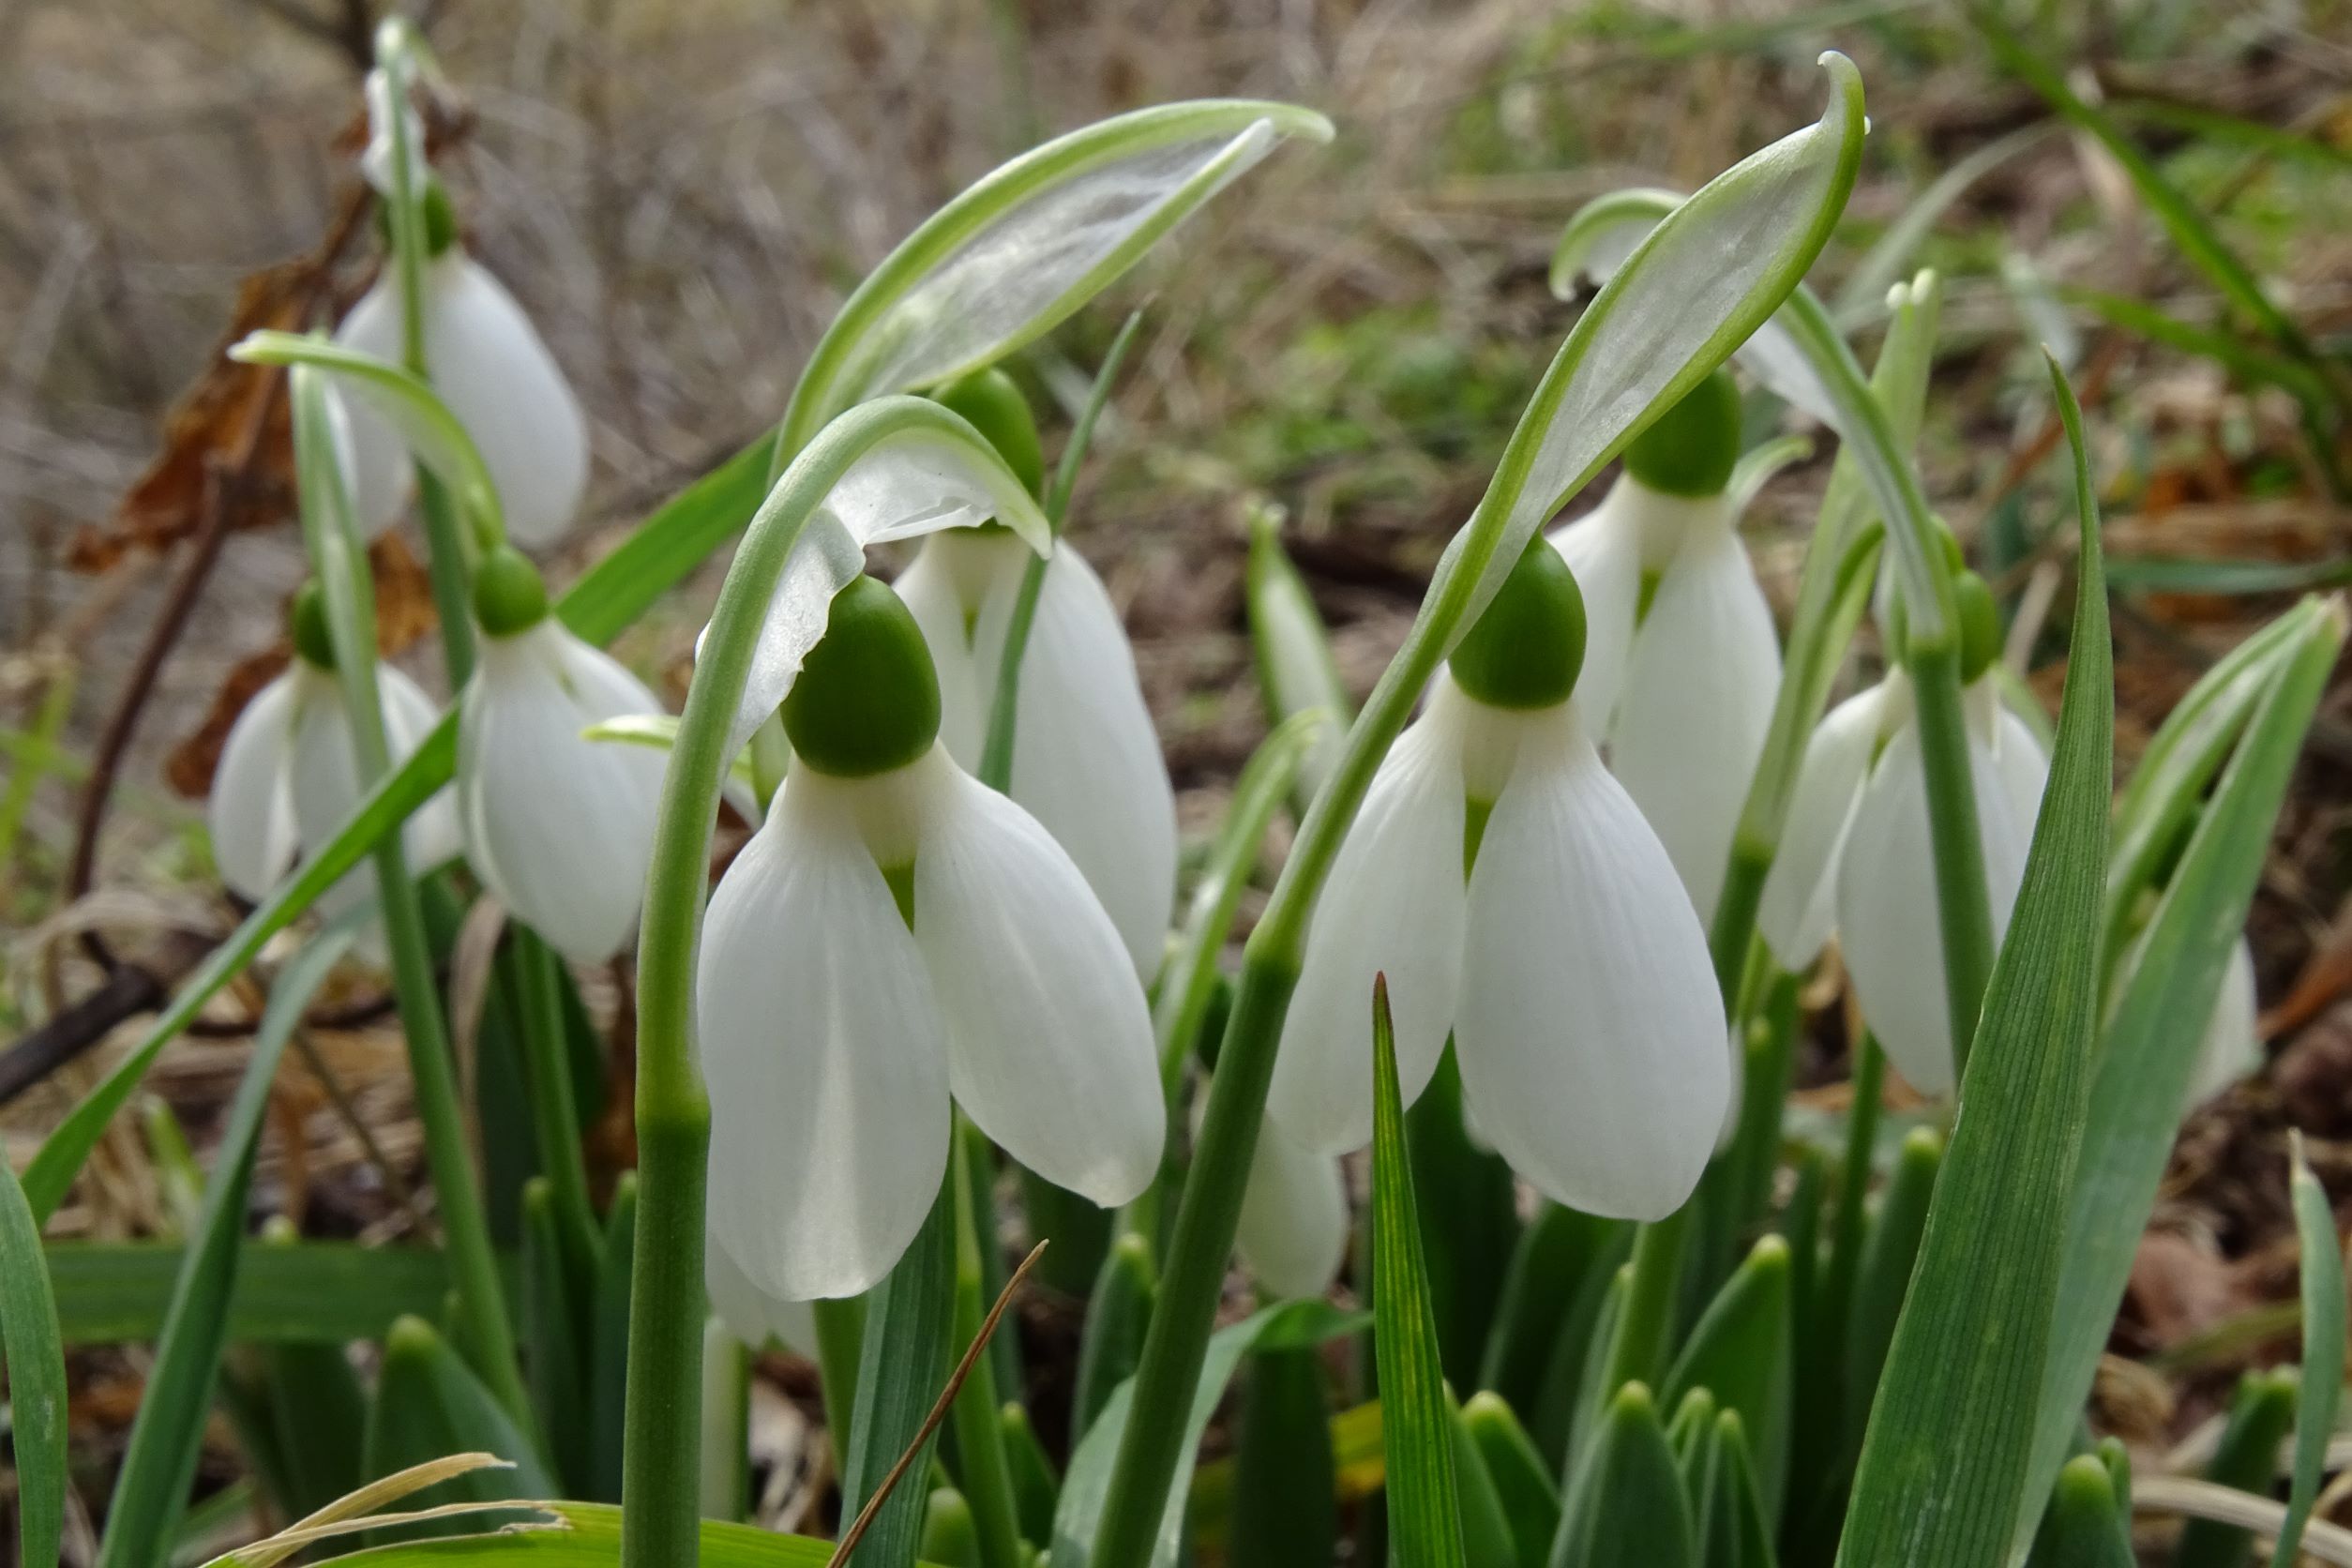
{"x": 1293, "y": 1229}
{"x": 1681, "y": 665}
{"x": 289, "y": 780}
{"x": 1086, "y": 758}
{"x": 834, "y": 1030}
{"x": 559, "y": 827}
{"x": 489, "y": 364}
{"x": 1569, "y": 965}
{"x": 910, "y": 482}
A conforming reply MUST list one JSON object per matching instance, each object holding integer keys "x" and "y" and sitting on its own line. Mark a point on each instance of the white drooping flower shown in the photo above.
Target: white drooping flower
{"x": 1515, "y": 898}
{"x": 289, "y": 774}
{"x": 1681, "y": 662}
{"x": 895, "y": 938}
{"x": 559, "y": 827}
{"x": 486, "y": 362}
{"x": 750, "y": 1314}
{"x": 2232, "y": 1047}
{"x": 1086, "y": 758}
{"x": 1293, "y": 1231}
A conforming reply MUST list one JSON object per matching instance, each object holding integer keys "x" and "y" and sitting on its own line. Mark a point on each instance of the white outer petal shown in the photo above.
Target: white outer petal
{"x": 2022, "y": 765}
{"x": 750, "y": 1313}
{"x": 823, "y": 1048}
{"x": 1591, "y": 1039}
{"x": 1393, "y": 904}
{"x": 1048, "y": 1041}
{"x": 377, "y": 462}
{"x": 1799, "y": 905}
{"x": 1604, "y": 552}
{"x": 1086, "y": 758}
{"x": 1887, "y": 916}
{"x": 493, "y": 368}
{"x": 432, "y": 836}
{"x": 2232, "y": 1047}
{"x": 1697, "y": 700}
{"x": 927, "y": 588}
{"x": 252, "y": 811}
{"x": 1293, "y": 1231}
{"x": 324, "y": 773}
{"x": 559, "y": 826}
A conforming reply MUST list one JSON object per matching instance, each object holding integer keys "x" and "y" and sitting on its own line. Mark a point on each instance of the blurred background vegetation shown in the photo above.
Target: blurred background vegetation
{"x": 680, "y": 191}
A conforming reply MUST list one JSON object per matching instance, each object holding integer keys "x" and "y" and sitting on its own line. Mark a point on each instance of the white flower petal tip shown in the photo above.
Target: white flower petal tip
{"x": 822, "y": 1045}
{"x": 916, "y": 481}
{"x": 1799, "y": 905}
{"x": 748, "y": 1312}
{"x": 491, "y": 368}
{"x": 1048, "y": 1039}
{"x": 559, "y": 826}
{"x": 250, "y": 810}
{"x": 1591, "y": 1038}
{"x": 1295, "y": 1224}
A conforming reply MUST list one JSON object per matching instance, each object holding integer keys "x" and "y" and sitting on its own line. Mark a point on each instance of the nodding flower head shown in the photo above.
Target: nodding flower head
{"x": 288, "y": 776}
{"x": 897, "y": 936}
{"x": 1517, "y": 901}
{"x": 1086, "y": 758}
{"x": 559, "y": 826}
{"x": 1682, "y": 663}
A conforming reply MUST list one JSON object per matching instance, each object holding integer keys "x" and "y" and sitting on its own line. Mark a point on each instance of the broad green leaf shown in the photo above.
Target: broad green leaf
{"x": 1296, "y": 672}
{"x": 1016, "y": 254}
{"x": 35, "y": 1363}
{"x": 2085, "y": 1527}
{"x": 906, "y": 1357}
{"x": 2247, "y": 1457}
{"x": 1291, "y": 1325}
{"x": 1943, "y": 1477}
{"x": 2151, "y": 1037}
{"x": 1740, "y": 1352}
{"x": 2322, "y": 1388}
{"x": 1286, "y": 1506}
{"x": 1425, "y": 1511}
{"x": 1626, "y": 1504}
{"x": 588, "y": 1535}
{"x": 404, "y": 400}
{"x": 305, "y": 1292}
{"x": 1698, "y": 286}
{"x": 664, "y": 549}
{"x": 1523, "y": 1482}
{"x": 167, "y": 1436}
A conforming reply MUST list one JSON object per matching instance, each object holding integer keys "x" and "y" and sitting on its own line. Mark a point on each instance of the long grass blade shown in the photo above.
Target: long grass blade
{"x": 2323, "y": 1350}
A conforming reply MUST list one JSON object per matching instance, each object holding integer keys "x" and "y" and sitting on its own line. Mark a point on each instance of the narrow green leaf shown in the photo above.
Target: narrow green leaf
{"x": 2234, "y": 354}
{"x": 908, "y": 1351}
{"x": 1033, "y": 1481}
{"x": 2151, "y": 1042}
{"x": 1523, "y": 1482}
{"x": 1486, "y": 1534}
{"x": 555, "y": 1315}
{"x": 1580, "y": 1339}
{"x": 1890, "y": 253}
{"x": 1290, "y": 1326}
{"x": 1691, "y": 1434}
{"x": 167, "y": 1436}
{"x": 2172, "y": 574}
{"x": 588, "y": 1535}
{"x": 1888, "y": 1255}
{"x": 2261, "y": 1414}
{"x": 2323, "y": 1349}
{"x": 1468, "y": 1201}
{"x": 949, "y": 1537}
{"x": 429, "y": 1405}
{"x": 1424, "y": 1512}
{"x": 608, "y": 1349}
{"x": 1286, "y": 1509}
{"x": 35, "y": 1363}
{"x": 1118, "y": 1311}
{"x": 314, "y": 1293}
{"x": 1627, "y": 1504}
{"x": 2084, "y": 1528}
{"x": 1733, "y": 1529}
{"x": 1739, "y": 1351}
{"x": 1558, "y": 1251}
{"x": 319, "y": 1413}
{"x": 1945, "y": 1462}
{"x": 1296, "y": 672}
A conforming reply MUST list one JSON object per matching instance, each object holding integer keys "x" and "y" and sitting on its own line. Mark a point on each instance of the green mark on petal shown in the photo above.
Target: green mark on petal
{"x": 1474, "y": 816}
{"x": 1692, "y": 448}
{"x": 902, "y": 881}
{"x": 1528, "y": 648}
{"x": 1980, "y": 626}
{"x": 868, "y": 697}
{"x": 307, "y": 625}
{"x": 509, "y": 595}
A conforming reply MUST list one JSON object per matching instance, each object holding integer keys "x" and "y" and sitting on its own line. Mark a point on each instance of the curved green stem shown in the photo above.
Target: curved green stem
{"x": 341, "y": 565}
{"x": 1963, "y": 906}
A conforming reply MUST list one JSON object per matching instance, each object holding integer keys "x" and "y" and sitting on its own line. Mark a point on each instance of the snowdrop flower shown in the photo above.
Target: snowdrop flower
{"x": 1514, "y": 896}
{"x": 1856, "y": 855}
{"x": 486, "y": 360}
{"x": 2232, "y": 1047}
{"x": 1681, "y": 661}
{"x": 895, "y": 935}
{"x": 289, "y": 775}
{"x": 1293, "y": 1231}
{"x": 1086, "y": 760}
{"x": 558, "y": 827}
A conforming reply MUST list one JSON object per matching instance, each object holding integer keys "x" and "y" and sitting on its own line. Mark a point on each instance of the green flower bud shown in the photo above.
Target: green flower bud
{"x": 1528, "y": 648}
{"x": 509, "y": 598}
{"x": 1692, "y": 448}
{"x": 998, "y": 411}
{"x": 867, "y": 699}
{"x": 306, "y": 621}
{"x": 1980, "y": 625}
